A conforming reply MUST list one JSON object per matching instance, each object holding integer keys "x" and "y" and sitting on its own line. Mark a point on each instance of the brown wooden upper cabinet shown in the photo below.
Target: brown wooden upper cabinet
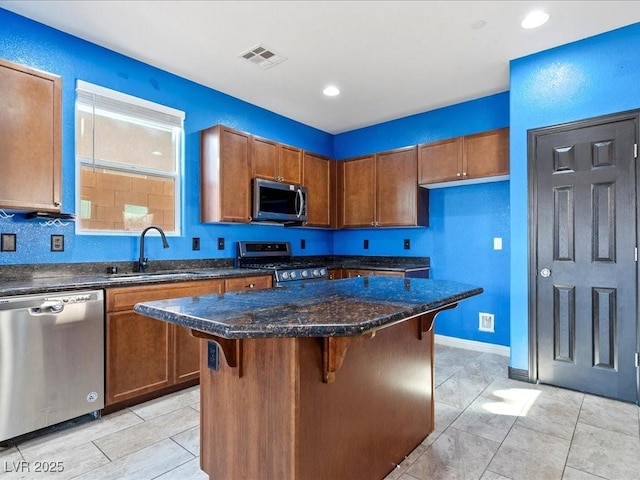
{"x": 358, "y": 193}
{"x": 225, "y": 169}
{"x": 276, "y": 161}
{"x": 30, "y": 138}
{"x": 382, "y": 190}
{"x": 230, "y": 159}
{"x": 472, "y": 157}
{"x": 319, "y": 176}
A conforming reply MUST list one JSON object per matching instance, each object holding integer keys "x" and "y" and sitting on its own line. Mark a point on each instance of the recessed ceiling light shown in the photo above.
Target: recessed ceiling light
{"x": 331, "y": 91}
{"x": 535, "y": 19}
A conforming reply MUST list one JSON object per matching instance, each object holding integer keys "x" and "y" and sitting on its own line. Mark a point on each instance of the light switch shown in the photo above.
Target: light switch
{"x": 497, "y": 243}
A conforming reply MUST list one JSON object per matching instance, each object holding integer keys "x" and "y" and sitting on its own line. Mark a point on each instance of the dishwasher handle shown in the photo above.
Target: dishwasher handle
{"x": 48, "y": 307}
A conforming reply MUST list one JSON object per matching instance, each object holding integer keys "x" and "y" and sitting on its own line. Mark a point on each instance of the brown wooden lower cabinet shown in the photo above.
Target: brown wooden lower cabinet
{"x": 146, "y": 356}
{"x": 422, "y": 272}
{"x": 338, "y": 273}
{"x": 278, "y": 419}
{"x": 335, "y": 273}
{"x": 361, "y": 272}
{"x": 137, "y": 356}
{"x": 247, "y": 283}
{"x": 186, "y": 363}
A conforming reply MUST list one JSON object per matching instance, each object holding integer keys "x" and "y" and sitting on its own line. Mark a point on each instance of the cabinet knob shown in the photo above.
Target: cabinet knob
{"x": 56, "y": 204}
{"x": 251, "y": 285}
{"x": 458, "y": 174}
{"x": 464, "y": 174}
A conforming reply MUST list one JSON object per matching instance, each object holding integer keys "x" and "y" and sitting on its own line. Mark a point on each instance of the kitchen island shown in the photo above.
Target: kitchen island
{"x": 326, "y": 380}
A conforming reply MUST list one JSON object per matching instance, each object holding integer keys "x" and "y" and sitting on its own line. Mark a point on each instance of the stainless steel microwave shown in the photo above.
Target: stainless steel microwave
{"x": 279, "y": 202}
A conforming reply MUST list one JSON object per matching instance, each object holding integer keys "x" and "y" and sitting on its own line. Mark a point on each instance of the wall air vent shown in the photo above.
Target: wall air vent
{"x": 262, "y": 56}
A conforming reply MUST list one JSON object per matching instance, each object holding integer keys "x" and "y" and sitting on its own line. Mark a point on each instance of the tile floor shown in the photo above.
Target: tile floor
{"x": 487, "y": 428}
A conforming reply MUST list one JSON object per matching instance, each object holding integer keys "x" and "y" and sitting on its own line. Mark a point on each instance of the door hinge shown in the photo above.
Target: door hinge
{"x": 635, "y": 150}
{"x": 636, "y": 254}
{"x": 637, "y": 360}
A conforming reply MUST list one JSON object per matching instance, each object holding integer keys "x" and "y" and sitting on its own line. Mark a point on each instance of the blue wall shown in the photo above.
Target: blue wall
{"x": 44, "y": 48}
{"x": 593, "y": 77}
{"x": 463, "y": 220}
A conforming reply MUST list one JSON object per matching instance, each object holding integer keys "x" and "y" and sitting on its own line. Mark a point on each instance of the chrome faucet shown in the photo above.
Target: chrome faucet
{"x": 143, "y": 262}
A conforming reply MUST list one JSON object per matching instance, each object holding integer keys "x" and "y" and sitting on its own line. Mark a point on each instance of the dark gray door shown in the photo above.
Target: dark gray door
{"x": 585, "y": 204}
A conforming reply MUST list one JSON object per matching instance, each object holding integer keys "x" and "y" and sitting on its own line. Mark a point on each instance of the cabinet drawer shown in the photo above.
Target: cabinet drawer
{"x": 372, "y": 273}
{"x": 247, "y": 283}
{"x": 335, "y": 273}
{"x": 124, "y": 298}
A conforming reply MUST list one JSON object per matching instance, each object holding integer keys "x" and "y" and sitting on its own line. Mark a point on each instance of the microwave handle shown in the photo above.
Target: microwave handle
{"x": 300, "y": 209}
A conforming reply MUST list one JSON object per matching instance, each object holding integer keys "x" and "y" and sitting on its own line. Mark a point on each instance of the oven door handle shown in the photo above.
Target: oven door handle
{"x": 300, "y": 202}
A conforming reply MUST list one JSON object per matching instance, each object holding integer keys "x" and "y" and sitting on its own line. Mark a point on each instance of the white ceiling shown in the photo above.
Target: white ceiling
{"x": 390, "y": 58}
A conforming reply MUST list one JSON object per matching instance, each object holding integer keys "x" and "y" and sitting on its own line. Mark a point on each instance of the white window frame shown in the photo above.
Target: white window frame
{"x": 177, "y": 175}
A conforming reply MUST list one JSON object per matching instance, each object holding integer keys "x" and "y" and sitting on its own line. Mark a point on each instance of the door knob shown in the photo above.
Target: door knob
{"x": 545, "y": 272}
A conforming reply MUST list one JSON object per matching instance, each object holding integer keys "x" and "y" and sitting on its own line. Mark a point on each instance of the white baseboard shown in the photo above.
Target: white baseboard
{"x": 473, "y": 345}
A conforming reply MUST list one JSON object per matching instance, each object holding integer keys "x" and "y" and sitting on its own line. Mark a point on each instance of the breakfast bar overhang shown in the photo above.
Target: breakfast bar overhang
{"x": 328, "y": 380}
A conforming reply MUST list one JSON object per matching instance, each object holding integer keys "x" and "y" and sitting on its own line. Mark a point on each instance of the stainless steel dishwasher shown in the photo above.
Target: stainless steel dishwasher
{"x": 51, "y": 359}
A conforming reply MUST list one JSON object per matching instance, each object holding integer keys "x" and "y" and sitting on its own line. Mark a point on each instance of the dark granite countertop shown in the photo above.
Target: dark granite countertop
{"x": 346, "y": 307}
{"x": 401, "y": 264}
{"x": 47, "y": 282}
{"x": 48, "y": 278}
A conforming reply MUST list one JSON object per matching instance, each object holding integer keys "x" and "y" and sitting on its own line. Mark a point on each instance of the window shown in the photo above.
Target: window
{"x": 128, "y": 162}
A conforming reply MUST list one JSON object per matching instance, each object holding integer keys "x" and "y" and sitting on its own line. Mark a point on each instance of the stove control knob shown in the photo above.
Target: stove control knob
{"x": 285, "y": 275}
{"x": 316, "y": 272}
{"x": 293, "y": 275}
{"x": 304, "y": 273}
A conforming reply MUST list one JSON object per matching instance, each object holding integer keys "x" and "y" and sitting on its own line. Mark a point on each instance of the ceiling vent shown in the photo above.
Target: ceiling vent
{"x": 262, "y": 56}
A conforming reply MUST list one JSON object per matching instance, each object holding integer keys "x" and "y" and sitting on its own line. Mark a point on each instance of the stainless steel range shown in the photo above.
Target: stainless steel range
{"x": 277, "y": 257}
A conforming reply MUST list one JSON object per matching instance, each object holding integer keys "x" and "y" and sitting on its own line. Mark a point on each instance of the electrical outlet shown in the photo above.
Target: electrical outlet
{"x": 195, "y": 243}
{"x": 365, "y": 244}
{"x": 303, "y": 244}
{"x": 8, "y": 242}
{"x": 220, "y": 243}
{"x": 57, "y": 243}
{"x": 486, "y": 322}
{"x": 407, "y": 244}
{"x": 212, "y": 355}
